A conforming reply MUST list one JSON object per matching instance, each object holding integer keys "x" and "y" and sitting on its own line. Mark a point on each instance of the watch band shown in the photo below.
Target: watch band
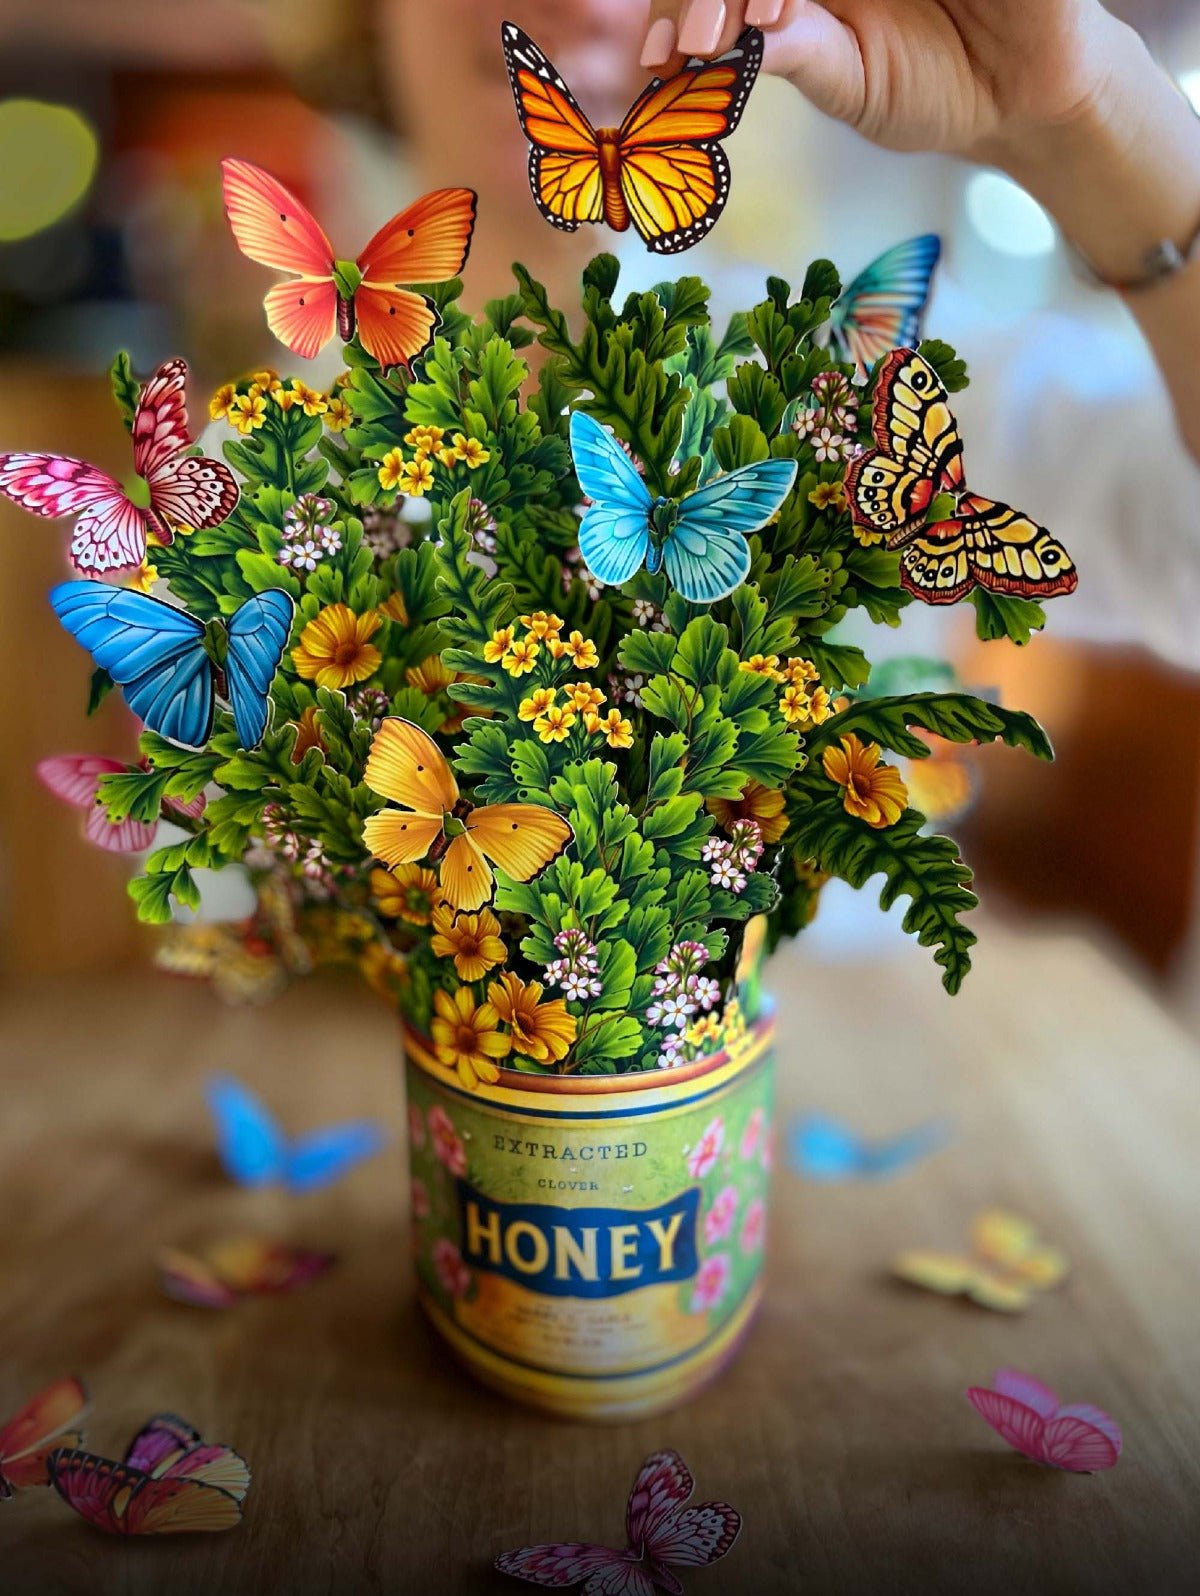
{"x": 1166, "y": 259}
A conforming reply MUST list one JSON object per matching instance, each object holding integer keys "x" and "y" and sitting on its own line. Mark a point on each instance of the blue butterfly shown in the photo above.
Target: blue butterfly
{"x": 827, "y": 1149}
{"x": 165, "y": 661}
{"x": 699, "y": 538}
{"x": 255, "y": 1151}
{"x": 884, "y": 306}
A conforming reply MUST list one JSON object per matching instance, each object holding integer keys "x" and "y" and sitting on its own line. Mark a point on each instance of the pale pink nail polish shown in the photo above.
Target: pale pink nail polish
{"x": 762, "y": 13}
{"x": 660, "y": 42}
{"x": 702, "y": 26}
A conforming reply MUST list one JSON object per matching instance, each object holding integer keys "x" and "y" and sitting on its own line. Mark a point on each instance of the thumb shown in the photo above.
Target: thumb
{"x": 818, "y": 53}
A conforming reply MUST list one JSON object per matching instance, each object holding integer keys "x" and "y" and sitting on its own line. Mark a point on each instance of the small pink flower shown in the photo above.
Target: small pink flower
{"x": 752, "y": 1135}
{"x": 718, "y": 1221}
{"x": 754, "y": 1225}
{"x": 416, "y": 1127}
{"x": 420, "y": 1198}
{"x": 447, "y": 1145}
{"x": 707, "y": 1150}
{"x": 451, "y": 1271}
{"x": 711, "y": 1282}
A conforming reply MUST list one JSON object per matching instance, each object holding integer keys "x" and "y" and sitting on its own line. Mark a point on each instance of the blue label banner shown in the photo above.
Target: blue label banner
{"x": 579, "y": 1252}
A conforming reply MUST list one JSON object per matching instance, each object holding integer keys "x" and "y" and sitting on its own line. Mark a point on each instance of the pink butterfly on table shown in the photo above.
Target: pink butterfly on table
{"x": 110, "y": 534}
{"x": 49, "y": 1420}
{"x": 662, "y": 1532}
{"x": 75, "y": 778}
{"x": 172, "y": 1482}
{"x": 239, "y": 1268}
{"x": 1028, "y": 1415}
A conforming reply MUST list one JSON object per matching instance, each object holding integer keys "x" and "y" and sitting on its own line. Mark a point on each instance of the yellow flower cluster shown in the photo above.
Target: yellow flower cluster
{"x": 244, "y": 405}
{"x": 413, "y": 475}
{"x": 805, "y": 703}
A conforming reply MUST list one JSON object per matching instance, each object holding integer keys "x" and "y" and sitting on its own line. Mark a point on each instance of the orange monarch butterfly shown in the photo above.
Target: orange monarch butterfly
{"x": 407, "y": 766}
{"x": 663, "y": 169}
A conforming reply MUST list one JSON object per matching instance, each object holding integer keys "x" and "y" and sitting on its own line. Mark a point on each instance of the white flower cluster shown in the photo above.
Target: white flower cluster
{"x": 309, "y": 537}
{"x": 577, "y": 971}
{"x": 732, "y": 860}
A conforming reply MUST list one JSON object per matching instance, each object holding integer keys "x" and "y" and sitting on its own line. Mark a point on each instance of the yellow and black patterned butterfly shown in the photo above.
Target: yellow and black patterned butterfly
{"x": 918, "y": 456}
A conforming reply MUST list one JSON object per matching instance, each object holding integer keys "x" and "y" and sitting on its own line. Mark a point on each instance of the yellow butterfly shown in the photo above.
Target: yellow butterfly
{"x": 434, "y": 822}
{"x": 917, "y": 458}
{"x": 1006, "y": 1266}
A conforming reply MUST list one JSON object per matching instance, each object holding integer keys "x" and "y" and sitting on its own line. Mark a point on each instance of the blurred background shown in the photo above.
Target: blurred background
{"x": 113, "y": 118}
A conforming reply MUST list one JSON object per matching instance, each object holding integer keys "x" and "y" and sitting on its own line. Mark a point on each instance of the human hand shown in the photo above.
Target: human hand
{"x": 978, "y": 78}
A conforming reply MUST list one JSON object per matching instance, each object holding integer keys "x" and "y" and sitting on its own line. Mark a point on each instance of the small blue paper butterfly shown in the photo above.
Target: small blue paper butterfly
{"x": 827, "y": 1149}
{"x": 699, "y": 538}
{"x": 256, "y": 1152}
{"x": 165, "y": 661}
{"x": 883, "y": 307}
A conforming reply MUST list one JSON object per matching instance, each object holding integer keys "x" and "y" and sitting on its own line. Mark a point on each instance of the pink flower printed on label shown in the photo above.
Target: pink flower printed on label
{"x": 712, "y": 1281}
{"x": 752, "y": 1135}
{"x": 754, "y": 1225}
{"x": 451, "y": 1271}
{"x": 718, "y": 1221}
{"x": 420, "y": 1198}
{"x": 707, "y": 1150}
{"x": 447, "y": 1145}
{"x": 416, "y": 1127}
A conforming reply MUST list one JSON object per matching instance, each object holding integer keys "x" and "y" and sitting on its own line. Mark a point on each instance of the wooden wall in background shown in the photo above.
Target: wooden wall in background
{"x": 62, "y": 902}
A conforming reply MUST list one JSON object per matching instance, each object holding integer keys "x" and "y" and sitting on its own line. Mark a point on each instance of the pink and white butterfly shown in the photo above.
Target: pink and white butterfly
{"x": 662, "y": 1532}
{"x": 110, "y": 534}
{"x": 75, "y": 778}
{"x": 1029, "y": 1416}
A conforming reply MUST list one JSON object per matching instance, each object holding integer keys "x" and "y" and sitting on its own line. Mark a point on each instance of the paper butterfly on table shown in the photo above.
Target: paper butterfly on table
{"x": 171, "y": 1483}
{"x": 427, "y": 243}
{"x": 255, "y": 1151}
{"x": 663, "y": 169}
{"x": 662, "y": 1532}
{"x": 1028, "y": 1415}
{"x": 884, "y": 306}
{"x": 1006, "y": 1266}
{"x": 827, "y": 1149}
{"x": 917, "y": 468}
{"x": 699, "y": 540}
{"x": 235, "y": 1269}
{"x": 75, "y": 778}
{"x": 49, "y": 1420}
{"x": 435, "y": 823}
{"x": 181, "y": 489}
{"x": 168, "y": 664}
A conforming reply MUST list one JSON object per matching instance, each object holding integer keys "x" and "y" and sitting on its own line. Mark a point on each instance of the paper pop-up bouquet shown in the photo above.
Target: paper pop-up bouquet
{"x": 523, "y": 691}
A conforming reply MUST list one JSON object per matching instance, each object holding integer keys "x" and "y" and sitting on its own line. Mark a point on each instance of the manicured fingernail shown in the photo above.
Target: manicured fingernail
{"x": 762, "y": 13}
{"x": 660, "y": 42}
{"x": 702, "y": 26}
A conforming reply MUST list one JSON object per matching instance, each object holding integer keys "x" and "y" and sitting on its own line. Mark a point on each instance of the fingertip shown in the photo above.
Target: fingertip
{"x": 660, "y": 42}
{"x": 702, "y": 26}
{"x": 763, "y": 13}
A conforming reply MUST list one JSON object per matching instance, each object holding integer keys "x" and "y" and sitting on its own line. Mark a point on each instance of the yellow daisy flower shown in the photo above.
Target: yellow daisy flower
{"x": 335, "y": 648}
{"x": 521, "y": 657}
{"x": 409, "y": 892}
{"x": 470, "y": 451}
{"x": 762, "y": 665}
{"x": 615, "y": 729}
{"x": 541, "y": 624}
{"x": 873, "y": 792}
{"x": 583, "y": 699}
{"x": 472, "y": 940}
{"x": 338, "y": 415}
{"x": 249, "y": 412}
{"x": 553, "y": 725}
{"x": 391, "y": 469}
{"x": 501, "y": 641}
{"x": 416, "y": 478}
{"x": 466, "y": 1037}
{"x": 799, "y": 672}
{"x": 220, "y": 406}
{"x": 426, "y": 438}
{"x": 581, "y": 650}
{"x": 313, "y": 402}
{"x": 538, "y": 702}
{"x": 544, "y": 1032}
{"x": 794, "y": 706}
{"x": 430, "y": 676}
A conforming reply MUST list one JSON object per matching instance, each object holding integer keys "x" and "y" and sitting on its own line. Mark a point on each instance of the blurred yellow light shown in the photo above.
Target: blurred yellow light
{"x": 1008, "y": 219}
{"x": 48, "y": 156}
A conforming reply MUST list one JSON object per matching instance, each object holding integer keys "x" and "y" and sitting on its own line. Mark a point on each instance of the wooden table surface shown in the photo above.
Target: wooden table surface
{"x": 842, "y": 1432}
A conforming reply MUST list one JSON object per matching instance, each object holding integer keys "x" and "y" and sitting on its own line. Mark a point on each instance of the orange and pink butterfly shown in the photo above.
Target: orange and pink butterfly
{"x": 76, "y": 778}
{"x": 182, "y": 489}
{"x": 662, "y": 1533}
{"x": 171, "y": 1481}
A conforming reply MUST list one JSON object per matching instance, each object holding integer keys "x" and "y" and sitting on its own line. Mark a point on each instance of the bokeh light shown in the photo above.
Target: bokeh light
{"x": 48, "y": 158}
{"x": 1006, "y": 218}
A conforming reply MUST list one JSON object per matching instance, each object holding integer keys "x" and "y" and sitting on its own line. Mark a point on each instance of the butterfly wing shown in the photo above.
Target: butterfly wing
{"x": 394, "y": 324}
{"x": 885, "y": 304}
{"x": 661, "y": 1487}
{"x": 122, "y": 1501}
{"x": 564, "y": 154}
{"x": 74, "y": 777}
{"x": 191, "y": 1280}
{"x": 948, "y": 1273}
{"x": 1074, "y": 1443}
{"x": 258, "y": 634}
{"x": 49, "y": 1420}
{"x": 1022, "y": 1427}
{"x": 898, "y": 1153}
{"x": 407, "y": 766}
{"x": 427, "y": 243}
{"x": 674, "y": 175}
{"x": 168, "y": 1447}
{"x": 324, "y": 1156}
{"x": 398, "y": 837}
{"x": 695, "y": 1536}
{"x": 614, "y": 535}
{"x": 154, "y": 653}
{"x": 184, "y": 489}
{"x": 521, "y": 839}
{"x": 705, "y": 553}
{"x": 1006, "y": 552}
{"x": 272, "y": 227}
{"x": 110, "y": 534}
{"x": 266, "y": 1268}
{"x": 557, "y": 1566}
{"x": 466, "y": 878}
{"x": 1025, "y": 1389}
{"x": 826, "y": 1149}
{"x": 250, "y": 1144}
{"x": 918, "y": 449}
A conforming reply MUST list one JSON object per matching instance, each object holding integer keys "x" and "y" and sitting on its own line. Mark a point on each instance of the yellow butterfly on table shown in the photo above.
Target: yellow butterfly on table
{"x": 918, "y": 458}
{"x": 1006, "y": 1266}
{"x": 435, "y": 823}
